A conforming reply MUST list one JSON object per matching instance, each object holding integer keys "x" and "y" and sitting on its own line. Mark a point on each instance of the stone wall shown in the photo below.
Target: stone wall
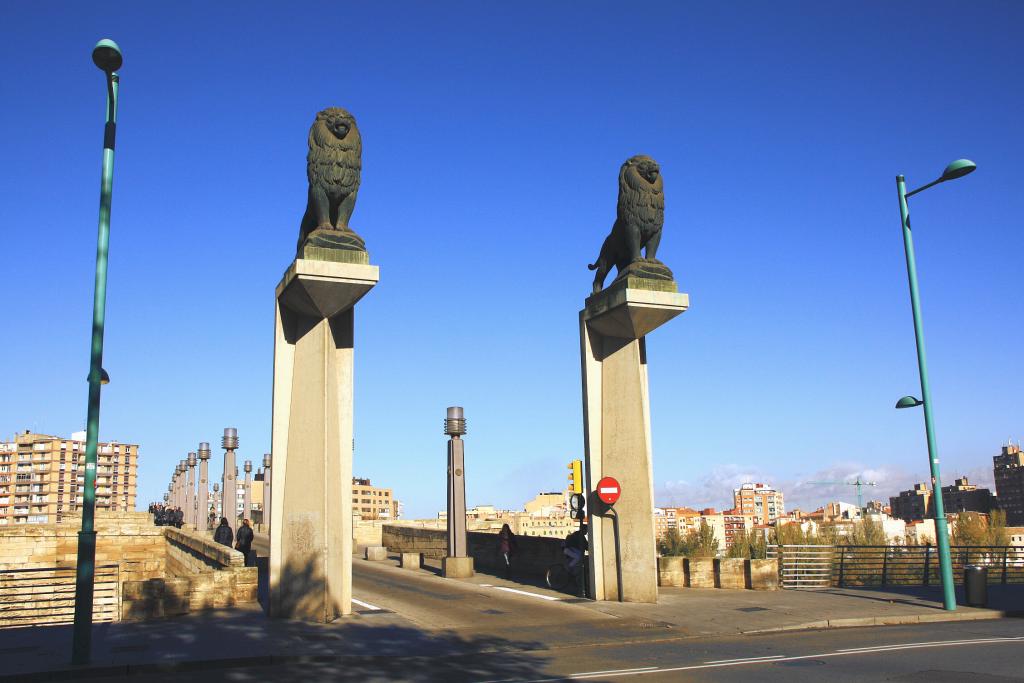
{"x": 726, "y": 573}
{"x": 201, "y": 574}
{"x": 534, "y": 554}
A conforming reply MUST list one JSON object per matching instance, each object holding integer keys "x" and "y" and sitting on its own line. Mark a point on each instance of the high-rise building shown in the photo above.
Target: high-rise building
{"x": 963, "y": 496}
{"x": 763, "y": 502}
{"x": 914, "y": 504}
{"x": 371, "y": 502}
{"x": 42, "y": 477}
{"x": 1008, "y": 470}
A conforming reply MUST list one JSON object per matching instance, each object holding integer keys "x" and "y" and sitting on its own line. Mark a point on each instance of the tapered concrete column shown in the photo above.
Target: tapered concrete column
{"x": 247, "y": 491}
{"x": 311, "y": 546}
{"x": 266, "y": 493}
{"x": 190, "y": 491}
{"x": 217, "y": 508}
{"x": 203, "y": 500}
{"x": 229, "y": 482}
{"x": 617, "y": 435}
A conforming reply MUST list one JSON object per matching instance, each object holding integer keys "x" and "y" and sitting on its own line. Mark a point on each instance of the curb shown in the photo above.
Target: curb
{"x": 895, "y": 620}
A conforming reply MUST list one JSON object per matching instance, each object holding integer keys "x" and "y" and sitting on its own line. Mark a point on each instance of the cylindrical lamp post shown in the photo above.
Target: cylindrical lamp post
{"x": 190, "y": 493}
{"x": 107, "y": 56}
{"x": 247, "y": 491}
{"x": 182, "y": 469}
{"x": 229, "y": 495}
{"x": 267, "y": 492}
{"x": 455, "y": 427}
{"x": 957, "y": 169}
{"x": 203, "y": 502}
{"x": 217, "y": 514}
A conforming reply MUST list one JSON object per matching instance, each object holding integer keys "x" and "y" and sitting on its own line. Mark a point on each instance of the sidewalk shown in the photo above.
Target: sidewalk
{"x": 231, "y": 638}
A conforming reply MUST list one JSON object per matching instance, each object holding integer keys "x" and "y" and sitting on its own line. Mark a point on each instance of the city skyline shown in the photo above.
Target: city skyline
{"x": 779, "y": 134}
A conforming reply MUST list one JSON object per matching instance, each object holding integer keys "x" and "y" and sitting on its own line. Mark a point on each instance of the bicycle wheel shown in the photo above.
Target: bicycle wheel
{"x": 557, "y": 576}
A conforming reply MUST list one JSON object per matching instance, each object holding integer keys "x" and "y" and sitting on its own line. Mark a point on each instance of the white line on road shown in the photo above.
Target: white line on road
{"x": 921, "y": 644}
{"x": 741, "y": 662}
{"x": 366, "y": 605}
{"x": 618, "y": 671}
{"x": 746, "y": 659}
{"x": 532, "y": 595}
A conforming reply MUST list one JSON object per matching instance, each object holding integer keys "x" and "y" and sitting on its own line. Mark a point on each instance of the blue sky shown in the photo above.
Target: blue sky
{"x": 492, "y": 136}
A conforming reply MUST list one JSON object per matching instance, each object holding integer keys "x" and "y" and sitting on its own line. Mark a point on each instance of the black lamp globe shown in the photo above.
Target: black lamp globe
{"x": 107, "y": 55}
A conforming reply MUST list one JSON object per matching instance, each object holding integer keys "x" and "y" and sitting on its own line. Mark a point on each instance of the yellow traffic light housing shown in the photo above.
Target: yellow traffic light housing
{"x": 576, "y": 476}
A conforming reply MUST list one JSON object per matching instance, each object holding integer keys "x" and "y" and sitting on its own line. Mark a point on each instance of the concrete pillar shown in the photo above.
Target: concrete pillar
{"x": 617, "y": 433}
{"x": 311, "y": 546}
{"x": 217, "y": 512}
{"x": 247, "y": 491}
{"x": 190, "y": 492}
{"x": 229, "y": 481}
{"x": 266, "y": 493}
{"x": 203, "y": 501}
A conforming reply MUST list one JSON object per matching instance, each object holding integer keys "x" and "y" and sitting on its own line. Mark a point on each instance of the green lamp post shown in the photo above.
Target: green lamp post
{"x": 107, "y": 56}
{"x": 957, "y": 169}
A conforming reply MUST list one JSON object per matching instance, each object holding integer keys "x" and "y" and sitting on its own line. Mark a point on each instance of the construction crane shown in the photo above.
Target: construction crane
{"x": 857, "y": 482}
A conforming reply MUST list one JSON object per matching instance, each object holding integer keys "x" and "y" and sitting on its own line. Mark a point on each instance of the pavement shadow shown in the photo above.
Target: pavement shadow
{"x": 1009, "y": 597}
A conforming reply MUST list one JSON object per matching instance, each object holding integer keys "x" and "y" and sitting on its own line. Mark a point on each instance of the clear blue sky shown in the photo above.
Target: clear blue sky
{"x": 492, "y": 138}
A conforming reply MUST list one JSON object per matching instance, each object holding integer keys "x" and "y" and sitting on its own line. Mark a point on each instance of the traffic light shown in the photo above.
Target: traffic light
{"x": 576, "y": 478}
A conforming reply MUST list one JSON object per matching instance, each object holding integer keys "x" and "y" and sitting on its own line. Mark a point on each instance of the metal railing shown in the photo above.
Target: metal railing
{"x": 46, "y": 595}
{"x": 824, "y": 566}
{"x": 897, "y": 565}
{"x": 803, "y": 566}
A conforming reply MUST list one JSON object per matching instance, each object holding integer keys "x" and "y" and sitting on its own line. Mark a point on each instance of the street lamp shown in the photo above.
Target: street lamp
{"x": 107, "y": 56}
{"x": 957, "y": 169}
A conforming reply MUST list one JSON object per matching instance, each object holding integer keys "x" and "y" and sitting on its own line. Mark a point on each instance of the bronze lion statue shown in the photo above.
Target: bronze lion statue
{"x": 333, "y": 167}
{"x": 640, "y": 216}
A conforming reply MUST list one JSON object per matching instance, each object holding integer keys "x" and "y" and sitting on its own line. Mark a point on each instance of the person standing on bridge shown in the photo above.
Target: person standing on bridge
{"x": 507, "y": 548}
{"x": 243, "y": 542}
{"x": 223, "y": 534}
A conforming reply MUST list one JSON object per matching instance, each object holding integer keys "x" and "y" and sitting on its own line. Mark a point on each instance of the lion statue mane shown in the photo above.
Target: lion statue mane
{"x": 333, "y": 167}
{"x": 640, "y": 216}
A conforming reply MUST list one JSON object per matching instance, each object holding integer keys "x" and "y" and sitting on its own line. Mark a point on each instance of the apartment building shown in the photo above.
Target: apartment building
{"x": 371, "y": 502}
{"x": 42, "y": 477}
{"x": 763, "y": 502}
{"x": 1008, "y": 471}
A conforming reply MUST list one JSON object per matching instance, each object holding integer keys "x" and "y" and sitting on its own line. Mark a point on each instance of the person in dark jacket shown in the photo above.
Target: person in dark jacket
{"x": 243, "y": 542}
{"x": 223, "y": 534}
{"x": 179, "y": 517}
{"x": 507, "y": 548}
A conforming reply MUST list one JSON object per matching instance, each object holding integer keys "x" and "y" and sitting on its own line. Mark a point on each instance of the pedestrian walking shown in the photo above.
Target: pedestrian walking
{"x": 243, "y": 542}
{"x": 507, "y": 548}
{"x": 223, "y": 534}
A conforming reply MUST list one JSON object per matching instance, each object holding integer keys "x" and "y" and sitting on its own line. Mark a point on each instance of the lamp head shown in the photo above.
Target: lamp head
{"x": 266, "y": 460}
{"x": 908, "y": 402}
{"x": 958, "y": 169}
{"x": 107, "y": 55}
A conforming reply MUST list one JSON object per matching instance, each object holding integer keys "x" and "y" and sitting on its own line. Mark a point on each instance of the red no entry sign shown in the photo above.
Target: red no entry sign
{"x": 608, "y": 490}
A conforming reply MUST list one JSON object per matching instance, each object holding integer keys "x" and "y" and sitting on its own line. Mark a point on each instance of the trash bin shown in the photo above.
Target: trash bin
{"x": 976, "y": 585}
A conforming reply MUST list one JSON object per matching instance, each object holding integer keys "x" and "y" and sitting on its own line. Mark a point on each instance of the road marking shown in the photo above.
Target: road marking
{"x": 532, "y": 595}
{"x": 746, "y": 659}
{"x": 366, "y": 605}
{"x": 618, "y": 671}
{"x": 773, "y": 660}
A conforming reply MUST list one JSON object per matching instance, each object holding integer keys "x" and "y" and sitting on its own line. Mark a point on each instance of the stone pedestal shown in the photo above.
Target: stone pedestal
{"x": 457, "y": 567}
{"x": 311, "y": 545}
{"x": 411, "y": 560}
{"x": 617, "y": 433}
{"x": 376, "y": 553}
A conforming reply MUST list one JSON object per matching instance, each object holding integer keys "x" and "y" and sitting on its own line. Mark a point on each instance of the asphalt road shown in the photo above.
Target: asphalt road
{"x": 415, "y": 626}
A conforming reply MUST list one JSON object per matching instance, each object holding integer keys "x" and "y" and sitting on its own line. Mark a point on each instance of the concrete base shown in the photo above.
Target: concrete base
{"x": 457, "y": 567}
{"x": 764, "y": 575}
{"x": 411, "y": 560}
{"x": 311, "y": 547}
{"x": 376, "y": 553}
{"x": 617, "y": 436}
